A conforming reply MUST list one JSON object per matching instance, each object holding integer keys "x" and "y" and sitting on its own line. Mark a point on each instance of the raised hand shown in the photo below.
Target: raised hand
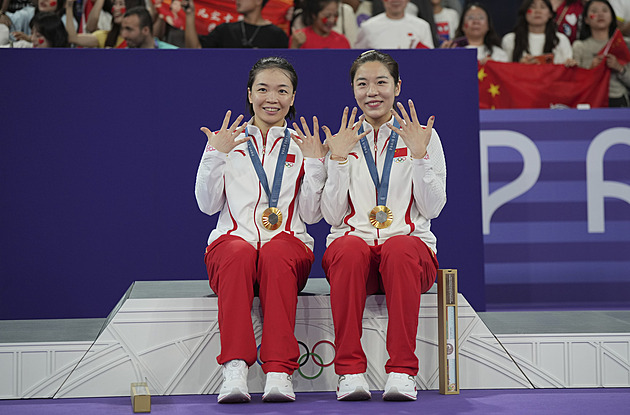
{"x": 348, "y": 136}
{"x": 310, "y": 144}
{"x": 415, "y": 136}
{"x": 224, "y": 140}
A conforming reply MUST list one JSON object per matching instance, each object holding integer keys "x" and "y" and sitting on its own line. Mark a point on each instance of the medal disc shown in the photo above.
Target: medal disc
{"x": 272, "y": 218}
{"x": 381, "y": 217}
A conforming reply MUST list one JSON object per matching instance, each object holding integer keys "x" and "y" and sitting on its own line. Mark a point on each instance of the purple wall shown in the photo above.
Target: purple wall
{"x": 99, "y": 151}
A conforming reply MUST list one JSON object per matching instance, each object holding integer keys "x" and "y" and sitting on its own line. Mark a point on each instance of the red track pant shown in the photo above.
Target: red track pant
{"x": 278, "y": 271}
{"x": 403, "y": 267}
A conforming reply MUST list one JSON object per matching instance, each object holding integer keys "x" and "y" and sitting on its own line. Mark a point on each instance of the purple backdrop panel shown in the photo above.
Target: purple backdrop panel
{"x": 556, "y": 207}
{"x": 100, "y": 149}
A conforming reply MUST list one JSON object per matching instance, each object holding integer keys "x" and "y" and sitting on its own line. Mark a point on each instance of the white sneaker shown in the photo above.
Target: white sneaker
{"x": 234, "y": 388}
{"x": 278, "y": 388}
{"x": 400, "y": 387}
{"x": 353, "y": 388}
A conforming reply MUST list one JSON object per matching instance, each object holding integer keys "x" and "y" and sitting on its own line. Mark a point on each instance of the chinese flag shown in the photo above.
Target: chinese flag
{"x": 617, "y": 46}
{"x": 518, "y": 85}
{"x": 211, "y": 13}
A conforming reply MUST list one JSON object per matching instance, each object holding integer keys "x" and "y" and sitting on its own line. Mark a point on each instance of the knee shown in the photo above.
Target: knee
{"x": 349, "y": 249}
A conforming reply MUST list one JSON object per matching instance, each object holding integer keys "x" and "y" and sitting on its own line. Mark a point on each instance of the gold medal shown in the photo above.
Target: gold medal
{"x": 272, "y": 218}
{"x": 381, "y": 217}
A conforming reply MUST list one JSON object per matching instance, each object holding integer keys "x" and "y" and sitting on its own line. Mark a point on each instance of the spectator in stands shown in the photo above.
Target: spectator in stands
{"x": 622, "y": 11}
{"x": 385, "y": 248}
{"x": 446, "y": 20}
{"x": 599, "y": 26}
{"x": 252, "y": 32}
{"x": 319, "y": 16}
{"x": 170, "y": 22}
{"x": 421, "y": 8}
{"x": 102, "y": 38}
{"x": 568, "y": 15}
{"x": 394, "y": 29}
{"x": 48, "y": 31}
{"x": 535, "y": 38}
{"x": 346, "y": 22}
{"x": 260, "y": 245}
{"x": 476, "y": 30}
{"x": 13, "y": 5}
{"x": 19, "y": 22}
{"x": 137, "y": 30}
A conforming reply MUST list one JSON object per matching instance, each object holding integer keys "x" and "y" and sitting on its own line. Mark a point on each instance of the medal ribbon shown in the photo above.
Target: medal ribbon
{"x": 274, "y": 194}
{"x": 382, "y": 186}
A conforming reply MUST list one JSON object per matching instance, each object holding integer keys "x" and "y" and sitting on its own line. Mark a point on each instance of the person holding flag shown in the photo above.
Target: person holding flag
{"x": 601, "y": 41}
{"x": 265, "y": 181}
{"x": 386, "y": 181}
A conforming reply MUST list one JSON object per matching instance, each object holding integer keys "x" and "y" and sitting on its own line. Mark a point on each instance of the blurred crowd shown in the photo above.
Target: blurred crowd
{"x": 568, "y": 32}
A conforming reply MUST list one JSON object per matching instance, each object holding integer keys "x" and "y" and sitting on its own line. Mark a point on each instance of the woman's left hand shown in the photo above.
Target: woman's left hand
{"x": 415, "y": 136}
{"x": 310, "y": 144}
{"x": 613, "y": 63}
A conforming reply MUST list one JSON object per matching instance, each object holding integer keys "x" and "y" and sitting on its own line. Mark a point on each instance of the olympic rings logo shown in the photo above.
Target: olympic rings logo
{"x": 304, "y": 358}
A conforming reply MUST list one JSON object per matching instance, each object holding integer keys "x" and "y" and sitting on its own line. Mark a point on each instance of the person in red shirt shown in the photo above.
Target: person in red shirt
{"x": 320, "y": 16}
{"x": 568, "y": 15}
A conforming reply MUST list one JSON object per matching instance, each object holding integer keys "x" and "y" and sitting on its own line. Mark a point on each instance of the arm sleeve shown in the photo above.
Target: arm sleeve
{"x": 309, "y": 205}
{"x": 335, "y": 195}
{"x": 429, "y": 180}
{"x": 209, "y": 186}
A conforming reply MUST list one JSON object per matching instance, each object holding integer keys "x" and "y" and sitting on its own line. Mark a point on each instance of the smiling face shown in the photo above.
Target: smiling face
{"x": 39, "y": 41}
{"x": 326, "y": 19}
{"x": 118, "y": 10}
{"x": 271, "y": 96}
{"x": 375, "y": 91}
{"x": 395, "y": 9}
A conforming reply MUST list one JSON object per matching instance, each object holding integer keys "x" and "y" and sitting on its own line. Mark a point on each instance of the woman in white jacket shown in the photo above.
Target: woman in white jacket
{"x": 265, "y": 181}
{"x": 386, "y": 181}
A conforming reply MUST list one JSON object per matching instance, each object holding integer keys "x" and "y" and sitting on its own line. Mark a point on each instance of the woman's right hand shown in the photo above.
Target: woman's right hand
{"x": 348, "y": 136}
{"x": 224, "y": 139}
{"x": 298, "y": 38}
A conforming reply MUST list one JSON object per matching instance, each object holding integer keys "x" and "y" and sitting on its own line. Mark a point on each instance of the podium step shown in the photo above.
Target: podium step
{"x": 166, "y": 333}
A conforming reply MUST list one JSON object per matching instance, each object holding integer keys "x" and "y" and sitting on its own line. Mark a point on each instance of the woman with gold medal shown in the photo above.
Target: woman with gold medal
{"x": 386, "y": 181}
{"x": 265, "y": 180}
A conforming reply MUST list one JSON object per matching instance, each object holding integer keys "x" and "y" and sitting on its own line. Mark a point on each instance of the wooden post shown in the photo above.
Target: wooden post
{"x": 448, "y": 345}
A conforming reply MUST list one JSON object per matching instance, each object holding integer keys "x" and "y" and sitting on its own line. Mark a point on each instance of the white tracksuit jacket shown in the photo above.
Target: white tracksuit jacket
{"x": 228, "y": 183}
{"x": 417, "y": 191}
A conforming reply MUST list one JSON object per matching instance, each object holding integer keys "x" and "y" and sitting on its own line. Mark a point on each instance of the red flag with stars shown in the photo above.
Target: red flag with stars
{"x": 517, "y": 85}
{"x": 211, "y": 13}
{"x": 617, "y": 46}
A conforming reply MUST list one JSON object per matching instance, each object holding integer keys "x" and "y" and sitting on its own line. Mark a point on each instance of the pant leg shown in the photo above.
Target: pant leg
{"x": 283, "y": 267}
{"x": 231, "y": 265}
{"x": 347, "y": 263}
{"x": 408, "y": 269}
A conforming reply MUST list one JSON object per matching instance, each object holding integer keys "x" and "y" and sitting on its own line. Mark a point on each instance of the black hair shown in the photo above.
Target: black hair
{"x": 264, "y": 3}
{"x": 114, "y": 33}
{"x": 585, "y": 29}
{"x": 491, "y": 38}
{"x": 272, "y": 62}
{"x": 143, "y": 16}
{"x": 521, "y": 31}
{"x": 375, "y": 56}
{"x": 312, "y": 9}
{"x": 50, "y": 26}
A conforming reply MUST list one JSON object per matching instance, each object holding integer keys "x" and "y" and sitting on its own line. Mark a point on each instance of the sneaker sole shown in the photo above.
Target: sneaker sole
{"x": 394, "y": 395}
{"x": 359, "y": 394}
{"x": 235, "y": 396}
{"x": 274, "y": 395}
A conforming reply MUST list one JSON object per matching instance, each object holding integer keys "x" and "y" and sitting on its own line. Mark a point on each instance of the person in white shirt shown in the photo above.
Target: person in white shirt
{"x": 446, "y": 20}
{"x": 386, "y": 182}
{"x": 394, "y": 29}
{"x": 535, "y": 36}
{"x": 476, "y": 31}
{"x": 265, "y": 181}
